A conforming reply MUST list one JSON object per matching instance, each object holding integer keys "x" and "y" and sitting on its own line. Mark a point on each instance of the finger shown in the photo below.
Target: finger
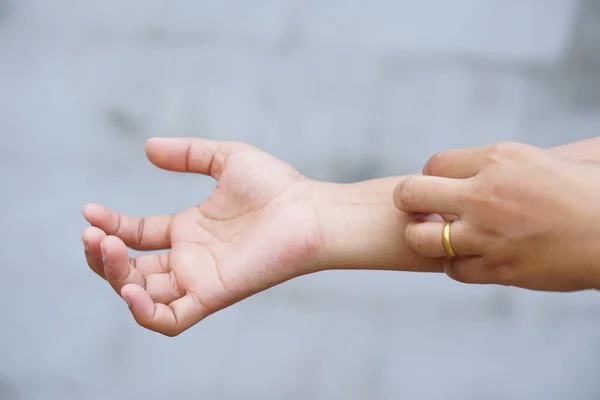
{"x": 151, "y": 233}
{"x": 431, "y": 195}
{"x": 458, "y": 163}
{"x": 159, "y": 280}
{"x": 195, "y": 155}
{"x": 148, "y": 264}
{"x": 92, "y": 237}
{"x": 150, "y": 271}
{"x": 480, "y": 270}
{"x": 170, "y": 320}
{"x": 467, "y": 270}
{"x": 118, "y": 268}
{"x": 425, "y": 239}
{"x": 466, "y": 162}
{"x": 162, "y": 288}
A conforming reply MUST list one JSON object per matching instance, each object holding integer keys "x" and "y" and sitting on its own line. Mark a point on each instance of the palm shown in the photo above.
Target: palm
{"x": 239, "y": 241}
{"x": 253, "y": 232}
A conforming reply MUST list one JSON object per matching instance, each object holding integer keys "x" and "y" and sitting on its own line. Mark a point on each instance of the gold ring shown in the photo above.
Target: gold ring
{"x": 446, "y": 239}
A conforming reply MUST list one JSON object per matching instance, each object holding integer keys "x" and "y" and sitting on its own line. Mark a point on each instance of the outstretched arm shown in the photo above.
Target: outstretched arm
{"x": 263, "y": 224}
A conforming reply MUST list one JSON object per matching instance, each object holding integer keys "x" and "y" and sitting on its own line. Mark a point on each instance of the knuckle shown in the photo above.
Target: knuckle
{"x": 510, "y": 151}
{"x": 433, "y": 165}
{"x": 505, "y": 148}
{"x": 489, "y": 191}
{"x": 484, "y": 195}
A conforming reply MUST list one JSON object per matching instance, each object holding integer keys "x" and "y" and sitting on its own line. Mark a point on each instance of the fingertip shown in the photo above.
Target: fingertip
{"x": 115, "y": 260}
{"x": 413, "y": 238}
{"x": 92, "y": 233}
{"x": 449, "y": 270}
{"x": 150, "y": 143}
{"x": 396, "y": 192}
{"x": 112, "y": 243}
{"x": 399, "y": 194}
{"x": 432, "y": 165}
{"x": 155, "y": 143}
{"x": 155, "y": 149}
{"x": 140, "y": 303}
{"x": 92, "y": 237}
{"x": 88, "y": 210}
{"x": 456, "y": 274}
{"x": 95, "y": 213}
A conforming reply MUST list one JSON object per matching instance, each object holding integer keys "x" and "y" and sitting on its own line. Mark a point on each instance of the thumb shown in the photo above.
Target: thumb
{"x": 201, "y": 156}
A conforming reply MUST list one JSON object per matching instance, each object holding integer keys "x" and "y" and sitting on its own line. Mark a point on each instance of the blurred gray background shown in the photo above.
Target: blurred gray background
{"x": 345, "y": 90}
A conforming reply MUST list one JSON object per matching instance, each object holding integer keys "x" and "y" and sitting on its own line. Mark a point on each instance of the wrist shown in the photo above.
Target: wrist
{"x": 360, "y": 228}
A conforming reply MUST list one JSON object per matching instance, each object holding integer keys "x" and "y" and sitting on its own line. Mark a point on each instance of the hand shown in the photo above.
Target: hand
{"x": 257, "y": 229}
{"x": 524, "y": 217}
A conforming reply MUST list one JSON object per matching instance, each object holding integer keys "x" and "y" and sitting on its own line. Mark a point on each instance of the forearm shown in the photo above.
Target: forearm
{"x": 588, "y": 149}
{"x": 361, "y": 229}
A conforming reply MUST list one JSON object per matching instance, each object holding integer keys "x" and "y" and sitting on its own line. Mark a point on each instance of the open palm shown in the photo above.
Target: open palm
{"x": 257, "y": 229}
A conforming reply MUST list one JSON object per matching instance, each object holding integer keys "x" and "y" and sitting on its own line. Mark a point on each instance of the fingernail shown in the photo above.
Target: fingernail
{"x": 127, "y": 301}
{"x": 103, "y": 251}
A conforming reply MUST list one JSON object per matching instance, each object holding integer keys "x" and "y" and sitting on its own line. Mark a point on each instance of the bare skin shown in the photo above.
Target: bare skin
{"x": 587, "y": 149}
{"x": 526, "y": 217}
{"x": 263, "y": 224}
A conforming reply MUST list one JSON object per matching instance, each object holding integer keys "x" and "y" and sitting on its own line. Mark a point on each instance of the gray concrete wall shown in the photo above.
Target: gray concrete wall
{"x": 344, "y": 90}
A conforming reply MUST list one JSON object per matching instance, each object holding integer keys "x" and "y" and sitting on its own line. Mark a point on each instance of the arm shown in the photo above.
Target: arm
{"x": 263, "y": 224}
{"x": 362, "y": 229}
{"x": 588, "y": 149}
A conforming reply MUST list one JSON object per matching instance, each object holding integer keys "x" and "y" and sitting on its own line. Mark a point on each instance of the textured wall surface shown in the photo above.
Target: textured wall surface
{"x": 345, "y": 91}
